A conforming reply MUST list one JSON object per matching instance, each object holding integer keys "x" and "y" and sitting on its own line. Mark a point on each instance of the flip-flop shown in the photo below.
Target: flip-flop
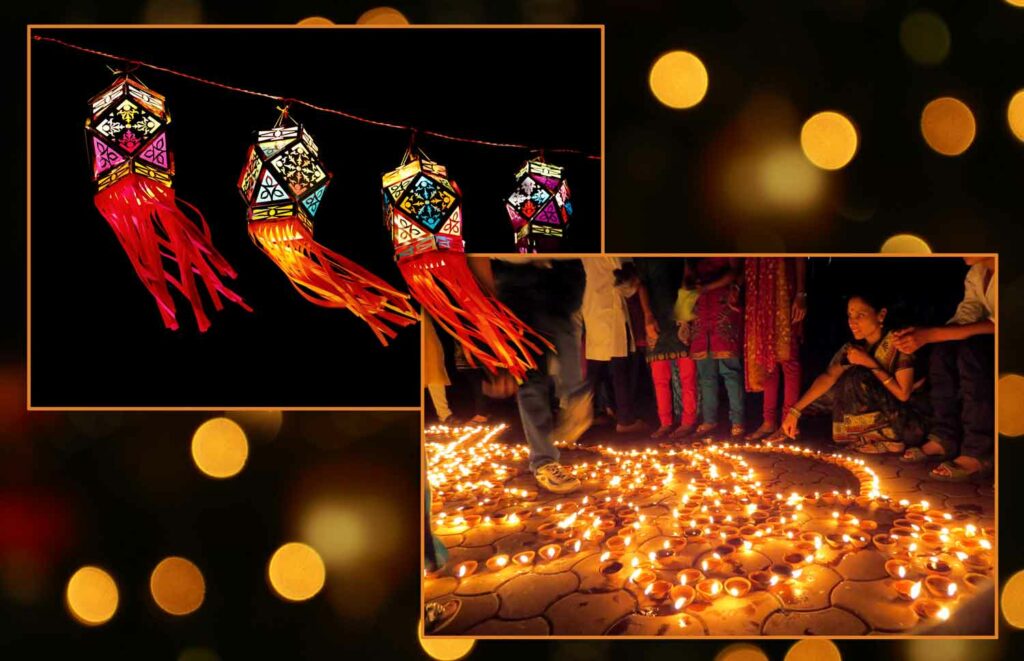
{"x": 957, "y": 473}
{"x": 880, "y": 447}
{"x": 438, "y": 616}
{"x": 919, "y": 456}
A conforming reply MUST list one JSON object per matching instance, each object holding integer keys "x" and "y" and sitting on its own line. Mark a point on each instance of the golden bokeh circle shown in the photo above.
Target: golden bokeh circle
{"x": 1015, "y": 113}
{"x": 925, "y": 37}
{"x": 906, "y": 243}
{"x": 315, "y": 20}
{"x": 177, "y": 586}
{"x": 445, "y": 649}
{"x": 220, "y": 448}
{"x": 679, "y": 79}
{"x": 1011, "y": 405}
{"x": 829, "y": 140}
{"x": 1015, "y": 3}
{"x": 1012, "y": 600}
{"x": 741, "y": 652}
{"x": 296, "y": 572}
{"x": 382, "y": 16}
{"x": 814, "y": 649}
{"x": 92, "y": 596}
{"x": 947, "y": 125}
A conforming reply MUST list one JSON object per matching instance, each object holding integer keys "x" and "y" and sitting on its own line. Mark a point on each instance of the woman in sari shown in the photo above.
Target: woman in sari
{"x": 867, "y": 387}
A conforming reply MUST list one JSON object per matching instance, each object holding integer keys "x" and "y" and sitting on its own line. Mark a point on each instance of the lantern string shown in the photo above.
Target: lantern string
{"x": 307, "y": 104}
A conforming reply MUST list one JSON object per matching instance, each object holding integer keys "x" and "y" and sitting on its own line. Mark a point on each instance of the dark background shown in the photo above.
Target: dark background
{"x": 119, "y": 353}
{"x": 802, "y": 49}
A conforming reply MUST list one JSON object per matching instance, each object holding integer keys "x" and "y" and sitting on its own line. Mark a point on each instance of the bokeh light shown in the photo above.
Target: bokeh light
{"x": 906, "y": 243}
{"x": 947, "y": 125}
{"x": 445, "y": 649}
{"x": 340, "y": 532}
{"x": 741, "y": 652}
{"x": 177, "y": 586}
{"x": 678, "y": 79}
{"x": 924, "y": 37}
{"x": 296, "y": 572}
{"x": 1016, "y": 3}
{"x": 382, "y": 16}
{"x": 316, "y": 20}
{"x": 829, "y": 140}
{"x": 220, "y": 448}
{"x": 786, "y": 180}
{"x": 259, "y": 426}
{"x": 950, "y": 649}
{"x": 1015, "y": 114}
{"x": 814, "y": 649}
{"x": 198, "y": 654}
{"x": 1011, "y": 405}
{"x": 92, "y": 596}
{"x": 1013, "y": 600}
{"x": 172, "y": 11}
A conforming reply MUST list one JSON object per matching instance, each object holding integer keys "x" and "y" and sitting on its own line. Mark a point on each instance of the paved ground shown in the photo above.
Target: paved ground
{"x": 486, "y": 503}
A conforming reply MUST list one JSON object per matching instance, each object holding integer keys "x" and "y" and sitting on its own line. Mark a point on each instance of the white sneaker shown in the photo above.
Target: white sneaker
{"x": 556, "y": 479}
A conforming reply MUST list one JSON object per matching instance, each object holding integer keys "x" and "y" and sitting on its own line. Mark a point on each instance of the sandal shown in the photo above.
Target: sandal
{"x": 764, "y": 431}
{"x": 779, "y": 436}
{"x": 880, "y": 447}
{"x": 919, "y": 456}
{"x": 958, "y": 473}
{"x": 437, "y": 616}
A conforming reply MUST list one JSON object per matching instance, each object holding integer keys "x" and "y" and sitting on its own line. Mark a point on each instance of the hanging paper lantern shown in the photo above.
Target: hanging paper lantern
{"x": 423, "y": 213}
{"x": 133, "y": 169}
{"x": 283, "y": 184}
{"x": 539, "y": 207}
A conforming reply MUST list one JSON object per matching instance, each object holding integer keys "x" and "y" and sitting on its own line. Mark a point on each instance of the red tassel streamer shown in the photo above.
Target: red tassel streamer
{"x": 152, "y": 228}
{"x": 331, "y": 280}
{"x": 489, "y": 332}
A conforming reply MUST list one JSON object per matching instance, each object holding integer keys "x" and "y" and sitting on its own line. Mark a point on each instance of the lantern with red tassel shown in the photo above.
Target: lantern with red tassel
{"x": 539, "y": 207}
{"x": 133, "y": 170}
{"x": 283, "y": 184}
{"x": 423, "y": 213}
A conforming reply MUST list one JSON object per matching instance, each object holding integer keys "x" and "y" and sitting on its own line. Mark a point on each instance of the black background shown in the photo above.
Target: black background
{"x": 97, "y": 337}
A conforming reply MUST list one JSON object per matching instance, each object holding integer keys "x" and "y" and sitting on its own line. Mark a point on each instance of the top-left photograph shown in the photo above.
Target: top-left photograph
{"x": 257, "y": 217}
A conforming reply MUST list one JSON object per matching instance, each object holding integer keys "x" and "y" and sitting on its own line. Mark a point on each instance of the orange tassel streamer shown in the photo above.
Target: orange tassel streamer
{"x": 325, "y": 278}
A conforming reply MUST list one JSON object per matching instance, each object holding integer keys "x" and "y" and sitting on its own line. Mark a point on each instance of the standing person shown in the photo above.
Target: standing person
{"x": 775, "y": 304}
{"x": 435, "y": 376}
{"x": 961, "y": 374}
{"x": 660, "y": 280}
{"x": 609, "y": 338}
{"x": 546, "y": 295}
{"x": 474, "y": 377}
{"x": 715, "y": 340}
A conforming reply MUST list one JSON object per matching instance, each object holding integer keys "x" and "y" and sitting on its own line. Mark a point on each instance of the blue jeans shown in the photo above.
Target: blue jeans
{"x": 731, "y": 371}
{"x": 434, "y": 552}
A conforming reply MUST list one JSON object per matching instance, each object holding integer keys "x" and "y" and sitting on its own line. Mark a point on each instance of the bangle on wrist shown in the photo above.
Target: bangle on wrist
{"x": 794, "y": 411}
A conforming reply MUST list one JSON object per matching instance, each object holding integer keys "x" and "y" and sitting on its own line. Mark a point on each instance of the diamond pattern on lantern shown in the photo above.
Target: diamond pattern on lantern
{"x": 105, "y": 157}
{"x": 427, "y": 202}
{"x": 313, "y": 201}
{"x": 405, "y": 231}
{"x": 453, "y": 226}
{"x": 270, "y": 190}
{"x": 156, "y": 152}
{"x": 299, "y": 168}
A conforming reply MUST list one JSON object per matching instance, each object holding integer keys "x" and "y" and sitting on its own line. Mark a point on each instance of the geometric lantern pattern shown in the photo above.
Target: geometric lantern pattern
{"x": 283, "y": 176}
{"x": 422, "y": 208}
{"x": 539, "y": 207}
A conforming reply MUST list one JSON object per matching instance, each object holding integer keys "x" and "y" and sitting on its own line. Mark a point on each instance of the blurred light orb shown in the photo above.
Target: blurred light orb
{"x": 678, "y": 79}
{"x": 814, "y": 649}
{"x": 198, "y": 654}
{"x": 262, "y": 426}
{"x": 340, "y": 533}
{"x": 92, "y": 596}
{"x": 382, "y": 16}
{"x": 172, "y": 11}
{"x": 786, "y": 179}
{"x": 296, "y": 572}
{"x": 906, "y": 243}
{"x": 947, "y": 125}
{"x": 444, "y": 649}
{"x": 220, "y": 448}
{"x": 949, "y": 649}
{"x": 315, "y": 20}
{"x": 1015, "y": 113}
{"x": 1016, "y": 3}
{"x": 829, "y": 140}
{"x": 1012, "y": 600}
{"x": 741, "y": 652}
{"x": 1011, "y": 405}
{"x": 925, "y": 37}
{"x": 177, "y": 586}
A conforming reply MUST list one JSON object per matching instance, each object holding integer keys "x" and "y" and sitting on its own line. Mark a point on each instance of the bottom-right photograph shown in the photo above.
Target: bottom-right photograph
{"x": 720, "y": 446}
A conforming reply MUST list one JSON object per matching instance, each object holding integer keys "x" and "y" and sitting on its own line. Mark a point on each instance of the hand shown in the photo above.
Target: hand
{"x": 858, "y": 356}
{"x": 911, "y": 339}
{"x": 799, "y": 310}
{"x": 653, "y": 330}
{"x": 789, "y": 425}
{"x": 683, "y": 332}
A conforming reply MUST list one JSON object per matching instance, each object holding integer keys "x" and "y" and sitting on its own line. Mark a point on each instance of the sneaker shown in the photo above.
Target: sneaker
{"x": 633, "y": 427}
{"x": 662, "y": 431}
{"x": 576, "y": 418}
{"x": 556, "y": 479}
{"x": 437, "y": 616}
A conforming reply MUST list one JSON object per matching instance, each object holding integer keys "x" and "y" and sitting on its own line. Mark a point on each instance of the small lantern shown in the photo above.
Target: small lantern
{"x": 539, "y": 207}
{"x": 422, "y": 208}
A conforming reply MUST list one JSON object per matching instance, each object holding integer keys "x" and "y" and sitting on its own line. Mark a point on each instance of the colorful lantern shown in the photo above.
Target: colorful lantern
{"x": 539, "y": 207}
{"x": 283, "y": 184}
{"x": 133, "y": 170}
{"x": 423, "y": 213}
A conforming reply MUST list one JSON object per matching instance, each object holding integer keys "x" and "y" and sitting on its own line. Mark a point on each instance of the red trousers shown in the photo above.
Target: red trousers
{"x": 791, "y": 390}
{"x": 661, "y": 372}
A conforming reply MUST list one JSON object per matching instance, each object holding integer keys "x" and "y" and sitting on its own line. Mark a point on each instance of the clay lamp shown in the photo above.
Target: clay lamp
{"x": 795, "y": 559}
{"x": 928, "y": 609}
{"x": 472, "y": 520}
{"x": 749, "y": 533}
{"x": 885, "y": 543}
{"x": 709, "y": 589}
{"x": 710, "y": 564}
{"x": 859, "y": 540}
{"x": 976, "y": 582}
{"x": 545, "y": 511}
{"x": 737, "y": 586}
{"x": 937, "y": 566}
{"x": 868, "y": 525}
{"x": 829, "y": 498}
{"x": 835, "y": 540}
{"x": 682, "y": 596}
{"x": 931, "y": 541}
{"x": 464, "y": 569}
{"x": 907, "y": 589}
{"x": 550, "y": 552}
{"x": 978, "y": 562}
{"x": 593, "y": 535}
{"x": 658, "y": 590}
{"x": 690, "y": 576}
{"x": 783, "y": 571}
{"x": 940, "y": 587}
{"x": 524, "y": 558}
{"x": 763, "y": 579}
{"x": 547, "y": 530}
{"x": 643, "y": 577}
{"x": 497, "y": 562}
{"x": 616, "y": 544}
{"x": 815, "y": 539}
{"x": 724, "y": 551}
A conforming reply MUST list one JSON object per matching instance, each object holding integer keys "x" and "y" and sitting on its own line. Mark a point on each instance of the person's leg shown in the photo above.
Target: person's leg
{"x": 475, "y": 378}
{"x": 534, "y": 400}
{"x": 791, "y": 373}
{"x": 440, "y": 401}
{"x": 975, "y": 361}
{"x": 688, "y": 382}
{"x": 731, "y": 370}
{"x": 770, "y": 408}
{"x": 622, "y": 383}
{"x": 707, "y": 372}
{"x": 944, "y": 390}
{"x": 661, "y": 377}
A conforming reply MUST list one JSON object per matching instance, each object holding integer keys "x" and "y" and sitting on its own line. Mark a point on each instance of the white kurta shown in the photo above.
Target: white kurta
{"x": 605, "y": 315}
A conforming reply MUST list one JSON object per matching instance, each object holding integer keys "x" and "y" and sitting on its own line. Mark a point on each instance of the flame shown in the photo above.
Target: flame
{"x": 915, "y": 590}
{"x": 943, "y": 613}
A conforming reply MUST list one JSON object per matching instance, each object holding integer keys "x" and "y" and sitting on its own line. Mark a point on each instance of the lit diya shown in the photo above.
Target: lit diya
{"x": 884, "y": 543}
{"x": 709, "y": 589}
{"x": 658, "y": 590}
{"x": 978, "y": 562}
{"x": 897, "y": 568}
{"x": 464, "y": 569}
{"x": 643, "y": 577}
{"x": 763, "y": 579}
{"x": 550, "y": 551}
{"x": 938, "y": 566}
{"x": 616, "y": 544}
{"x": 497, "y": 562}
{"x": 928, "y": 609}
{"x": 525, "y": 558}
{"x": 976, "y": 582}
{"x": 907, "y": 589}
{"x": 682, "y": 596}
{"x": 737, "y": 586}
{"x": 689, "y": 576}
{"x": 612, "y": 570}
{"x": 940, "y": 587}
